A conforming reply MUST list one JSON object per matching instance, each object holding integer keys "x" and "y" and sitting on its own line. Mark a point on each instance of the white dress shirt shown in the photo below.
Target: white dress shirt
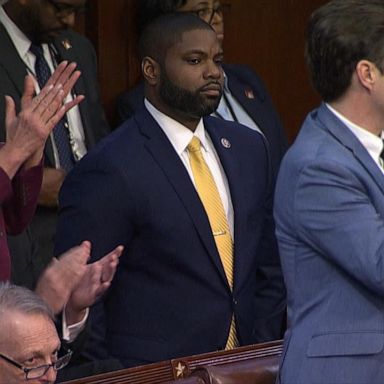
{"x": 372, "y": 143}
{"x": 22, "y": 45}
{"x": 180, "y": 136}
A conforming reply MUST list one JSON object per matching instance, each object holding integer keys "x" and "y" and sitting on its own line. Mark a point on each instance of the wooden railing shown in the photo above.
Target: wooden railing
{"x": 170, "y": 370}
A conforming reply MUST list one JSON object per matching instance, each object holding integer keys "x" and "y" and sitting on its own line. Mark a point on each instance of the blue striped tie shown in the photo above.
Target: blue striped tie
{"x": 60, "y": 132}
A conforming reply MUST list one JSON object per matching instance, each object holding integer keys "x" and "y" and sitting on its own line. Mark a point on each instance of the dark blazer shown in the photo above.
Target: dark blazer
{"x": 18, "y": 200}
{"x": 12, "y": 74}
{"x": 248, "y": 89}
{"x": 170, "y": 296}
{"x": 329, "y": 210}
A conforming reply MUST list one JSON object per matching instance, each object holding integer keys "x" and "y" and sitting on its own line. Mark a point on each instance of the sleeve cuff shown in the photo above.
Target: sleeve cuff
{"x": 72, "y": 331}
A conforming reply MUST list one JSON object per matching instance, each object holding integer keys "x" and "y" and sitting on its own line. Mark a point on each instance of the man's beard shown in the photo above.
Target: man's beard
{"x": 32, "y": 27}
{"x": 192, "y": 104}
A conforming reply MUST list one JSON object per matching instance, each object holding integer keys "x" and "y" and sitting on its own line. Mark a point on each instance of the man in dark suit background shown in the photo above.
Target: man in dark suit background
{"x": 46, "y": 25}
{"x": 186, "y": 284}
{"x": 245, "y": 99}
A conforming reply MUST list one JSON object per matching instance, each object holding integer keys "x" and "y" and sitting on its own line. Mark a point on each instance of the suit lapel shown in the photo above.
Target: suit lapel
{"x": 253, "y": 106}
{"x": 350, "y": 141}
{"x": 11, "y": 62}
{"x": 168, "y": 160}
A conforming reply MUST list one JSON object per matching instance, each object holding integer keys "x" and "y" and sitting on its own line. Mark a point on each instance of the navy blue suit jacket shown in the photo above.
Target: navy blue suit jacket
{"x": 170, "y": 296}
{"x": 242, "y": 81}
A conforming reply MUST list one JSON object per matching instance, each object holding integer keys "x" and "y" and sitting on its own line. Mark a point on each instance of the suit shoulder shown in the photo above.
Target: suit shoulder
{"x": 242, "y": 72}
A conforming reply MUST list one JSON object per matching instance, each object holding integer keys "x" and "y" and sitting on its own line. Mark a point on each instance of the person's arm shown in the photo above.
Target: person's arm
{"x": 270, "y": 297}
{"x": 82, "y": 216}
{"x": 336, "y": 216}
{"x": 26, "y": 134}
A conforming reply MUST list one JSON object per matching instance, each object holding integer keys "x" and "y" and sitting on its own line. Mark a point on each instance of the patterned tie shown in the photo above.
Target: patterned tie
{"x": 60, "y": 132}
{"x": 210, "y": 197}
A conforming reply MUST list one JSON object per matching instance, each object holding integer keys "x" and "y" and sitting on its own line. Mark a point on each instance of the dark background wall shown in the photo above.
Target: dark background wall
{"x": 268, "y": 35}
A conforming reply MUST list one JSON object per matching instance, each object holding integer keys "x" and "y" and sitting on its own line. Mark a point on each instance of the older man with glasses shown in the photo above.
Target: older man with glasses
{"x": 29, "y": 344}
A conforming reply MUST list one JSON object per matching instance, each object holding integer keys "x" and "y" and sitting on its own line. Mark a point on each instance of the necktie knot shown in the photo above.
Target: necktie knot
{"x": 37, "y": 50}
{"x": 194, "y": 145}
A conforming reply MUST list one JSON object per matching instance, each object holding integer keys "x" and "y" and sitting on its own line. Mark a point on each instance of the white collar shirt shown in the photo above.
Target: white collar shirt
{"x": 372, "y": 143}
{"x": 180, "y": 136}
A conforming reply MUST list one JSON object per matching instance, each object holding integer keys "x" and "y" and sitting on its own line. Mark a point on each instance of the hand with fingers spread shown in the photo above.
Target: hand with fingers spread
{"x": 63, "y": 275}
{"x": 69, "y": 281}
{"x": 96, "y": 280}
{"x": 28, "y": 131}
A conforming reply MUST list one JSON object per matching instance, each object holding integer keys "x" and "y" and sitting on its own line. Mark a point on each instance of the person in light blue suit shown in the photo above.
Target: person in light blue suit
{"x": 329, "y": 206}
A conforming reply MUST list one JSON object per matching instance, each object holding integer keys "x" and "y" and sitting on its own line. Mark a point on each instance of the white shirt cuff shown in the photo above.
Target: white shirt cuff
{"x": 72, "y": 331}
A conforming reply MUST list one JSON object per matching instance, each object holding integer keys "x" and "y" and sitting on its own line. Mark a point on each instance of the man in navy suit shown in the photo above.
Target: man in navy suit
{"x": 245, "y": 99}
{"x": 329, "y": 206}
{"x": 172, "y": 295}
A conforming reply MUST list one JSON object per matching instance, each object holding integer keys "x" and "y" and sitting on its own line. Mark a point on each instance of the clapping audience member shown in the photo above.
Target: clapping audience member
{"x": 35, "y": 36}
{"x": 21, "y": 156}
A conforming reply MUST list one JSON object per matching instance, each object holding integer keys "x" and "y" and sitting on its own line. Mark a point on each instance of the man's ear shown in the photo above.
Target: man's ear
{"x": 151, "y": 70}
{"x": 367, "y": 73}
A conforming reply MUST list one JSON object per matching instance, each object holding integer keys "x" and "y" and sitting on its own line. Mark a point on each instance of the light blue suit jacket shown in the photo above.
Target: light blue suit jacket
{"x": 329, "y": 212}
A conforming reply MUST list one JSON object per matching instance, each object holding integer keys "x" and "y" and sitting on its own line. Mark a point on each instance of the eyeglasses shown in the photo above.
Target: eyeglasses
{"x": 64, "y": 10}
{"x": 37, "y": 372}
{"x": 207, "y": 14}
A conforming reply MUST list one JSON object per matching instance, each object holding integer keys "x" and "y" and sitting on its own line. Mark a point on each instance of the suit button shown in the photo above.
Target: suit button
{"x": 234, "y": 301}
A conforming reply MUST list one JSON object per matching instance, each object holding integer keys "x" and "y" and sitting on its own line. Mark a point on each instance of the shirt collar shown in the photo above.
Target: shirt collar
{"x": 19, "y": 39}
{"x": 372, "y": 143}
{"x": 178, "y": 134}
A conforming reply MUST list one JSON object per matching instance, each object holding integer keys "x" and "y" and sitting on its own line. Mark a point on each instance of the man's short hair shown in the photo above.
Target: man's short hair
{"x": 340, "y": 34}
{"x": 149, "y": 10}
{"x": 166, "y": 31}
{"x": 19, "y": 299}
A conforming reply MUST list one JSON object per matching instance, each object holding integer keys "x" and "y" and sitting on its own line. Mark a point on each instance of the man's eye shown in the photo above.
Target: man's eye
{"x": 193, "y": 61}
{"x": 31, "y": 361}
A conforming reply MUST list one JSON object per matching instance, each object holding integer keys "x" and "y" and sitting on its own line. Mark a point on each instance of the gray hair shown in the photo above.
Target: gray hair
{"x": 19, "y": 299}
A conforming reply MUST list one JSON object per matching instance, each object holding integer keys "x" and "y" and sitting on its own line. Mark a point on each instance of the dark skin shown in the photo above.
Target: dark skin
{"x": 41, "y": 21}
{"x": 193, "y": 64}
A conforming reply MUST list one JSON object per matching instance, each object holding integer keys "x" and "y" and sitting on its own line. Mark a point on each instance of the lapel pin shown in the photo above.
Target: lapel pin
{"x": 66, "y": 44}
{"x": 225, "y": 143}
{"x": 249, "y": 93}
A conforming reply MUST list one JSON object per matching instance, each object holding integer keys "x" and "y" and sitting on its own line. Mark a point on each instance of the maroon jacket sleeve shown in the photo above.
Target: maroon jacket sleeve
{"x": 18, "y": 197}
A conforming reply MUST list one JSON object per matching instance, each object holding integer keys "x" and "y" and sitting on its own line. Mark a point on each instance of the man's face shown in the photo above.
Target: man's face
{"x": 30, "y": 340}
{"x": 191, "y": 81}
{"x": 204, "y": 9}
{"x": 43, "y": 20}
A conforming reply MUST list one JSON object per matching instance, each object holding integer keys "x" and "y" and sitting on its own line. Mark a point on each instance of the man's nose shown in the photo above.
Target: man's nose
{"x": 213, "y": 70}
{"x": 50, "y": 376}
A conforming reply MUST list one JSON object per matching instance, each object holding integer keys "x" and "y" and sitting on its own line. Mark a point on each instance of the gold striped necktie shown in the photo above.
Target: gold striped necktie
{"x": 210, "y": 197}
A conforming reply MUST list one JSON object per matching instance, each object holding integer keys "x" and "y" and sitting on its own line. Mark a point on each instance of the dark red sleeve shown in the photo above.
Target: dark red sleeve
{"x": 19, "y": 197}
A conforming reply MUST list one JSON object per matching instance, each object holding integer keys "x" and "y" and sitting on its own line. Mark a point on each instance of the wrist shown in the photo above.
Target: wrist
{"x": 74, "y": 315}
